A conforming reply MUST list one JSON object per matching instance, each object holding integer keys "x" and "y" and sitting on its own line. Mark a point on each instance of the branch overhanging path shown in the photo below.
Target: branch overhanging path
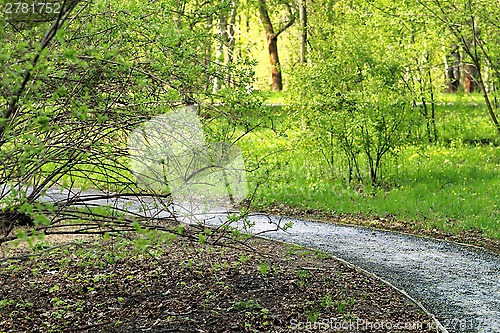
{"x": 458, "y": 284}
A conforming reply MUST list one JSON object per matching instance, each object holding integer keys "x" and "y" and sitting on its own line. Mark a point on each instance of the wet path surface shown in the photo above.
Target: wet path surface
{"x": 460, "y": 285}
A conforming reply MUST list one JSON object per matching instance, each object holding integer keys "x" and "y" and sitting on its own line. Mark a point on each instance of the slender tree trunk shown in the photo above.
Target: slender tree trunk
{"x": 220, "y": 57}
{"x": 432, "y": 101}
{"x": 425, "y": 113}
{"x": 208, "y": 54}
{"x": 231, "y": 34}
{"x": 453, "y": 73}
{"x": 491, "y": 111}
{"x": 303, "y": 32}
{"x": 433, "y": 108}
{"x": 473, "y": 54}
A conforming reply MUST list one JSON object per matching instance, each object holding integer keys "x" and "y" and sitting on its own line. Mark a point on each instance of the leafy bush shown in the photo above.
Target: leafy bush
{"x": 350, "y": 104}
{"x": 75, "y": 86}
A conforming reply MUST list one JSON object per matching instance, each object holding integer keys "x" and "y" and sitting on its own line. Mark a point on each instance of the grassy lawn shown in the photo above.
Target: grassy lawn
{"x": 451, "y": 186}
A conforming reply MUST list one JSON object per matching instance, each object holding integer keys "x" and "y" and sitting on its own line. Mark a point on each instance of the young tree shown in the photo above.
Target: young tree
{"x": 272, "y": 35}
{"x": 73, "y": 88}
{"x": 303, "y": 30}
{"x": 351, "y": 102}
{"x": 467, "y": 23}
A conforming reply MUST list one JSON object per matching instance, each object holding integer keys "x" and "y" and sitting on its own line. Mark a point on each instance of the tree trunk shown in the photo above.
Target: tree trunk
{"x": 470, "y": 78}
{"x": 472, "y": 53}
{"x": 453, "y": 72}
{"x": 220, "y": 57}
{"x": 491, "y": 111}
{"x": 231, "y": 34}
{"x": 303, "y": 31}
{"x": 208, "y": 55}
{"x": 277, "y": 79}
{"x": 272, "y": 43}
{"x": 432, "y": 101}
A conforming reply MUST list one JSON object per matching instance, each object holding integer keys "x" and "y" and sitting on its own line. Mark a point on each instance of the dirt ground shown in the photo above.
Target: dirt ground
{"x": 118, "y": 285}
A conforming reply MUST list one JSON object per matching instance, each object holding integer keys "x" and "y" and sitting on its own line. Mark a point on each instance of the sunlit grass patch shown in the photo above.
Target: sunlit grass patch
{"x": 451, "y": 186}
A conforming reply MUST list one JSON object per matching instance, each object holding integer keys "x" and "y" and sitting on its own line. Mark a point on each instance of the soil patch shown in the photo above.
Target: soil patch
{"x": 182, "y": 286}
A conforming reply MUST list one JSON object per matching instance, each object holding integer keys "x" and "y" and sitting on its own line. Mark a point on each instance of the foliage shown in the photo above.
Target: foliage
{"x": 73, "y": 89}
{"x": 447, "y": 187}
{"x": 364, "y": 105}
{"x": 350, "y": 102}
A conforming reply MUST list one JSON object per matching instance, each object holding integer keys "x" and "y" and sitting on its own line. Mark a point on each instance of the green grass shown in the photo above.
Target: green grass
{"x": 273, "y": 97}
{"x": 464, "y": 118}
{"x": 452, "y": 186}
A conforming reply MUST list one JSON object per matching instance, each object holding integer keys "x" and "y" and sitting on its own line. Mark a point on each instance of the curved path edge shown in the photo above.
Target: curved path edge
{"x": 459, "y": 284}
{"x": 437, "y": 324}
